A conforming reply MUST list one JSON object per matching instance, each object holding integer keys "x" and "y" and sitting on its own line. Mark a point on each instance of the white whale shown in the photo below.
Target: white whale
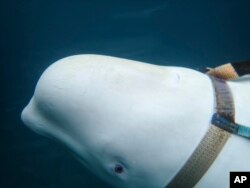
{"x": 135, "y": 124}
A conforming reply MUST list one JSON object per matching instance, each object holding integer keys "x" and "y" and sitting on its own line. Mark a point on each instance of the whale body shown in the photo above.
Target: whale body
{"x": 135, "y": 124}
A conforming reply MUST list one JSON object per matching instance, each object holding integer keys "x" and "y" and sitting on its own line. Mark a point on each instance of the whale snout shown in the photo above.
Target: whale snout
{"x": 26, "y": 115}
{"x": 31, "y": 117}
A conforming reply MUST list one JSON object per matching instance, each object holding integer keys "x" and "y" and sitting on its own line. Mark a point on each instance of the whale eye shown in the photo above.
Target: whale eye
{"x": 118, "y": 169}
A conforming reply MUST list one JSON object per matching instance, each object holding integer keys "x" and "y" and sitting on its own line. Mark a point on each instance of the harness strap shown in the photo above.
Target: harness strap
{"x": 211, "y": 144}
{"x": 230, "y": 71}
{"x": 242, "y": 68}
{"x": 231, "y": 127}
{"x": 226, "y": 72}
{"x": 222, "y": 125}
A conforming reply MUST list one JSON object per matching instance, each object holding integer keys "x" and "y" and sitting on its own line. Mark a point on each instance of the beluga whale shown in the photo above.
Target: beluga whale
{"x": 141, "y": 125}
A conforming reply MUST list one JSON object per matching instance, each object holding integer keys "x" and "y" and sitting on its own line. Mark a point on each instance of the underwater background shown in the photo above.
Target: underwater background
{"x": 36, "y": 33}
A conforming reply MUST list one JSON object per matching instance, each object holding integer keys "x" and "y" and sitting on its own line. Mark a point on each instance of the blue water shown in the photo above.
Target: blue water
{"x": 36, "y": 33}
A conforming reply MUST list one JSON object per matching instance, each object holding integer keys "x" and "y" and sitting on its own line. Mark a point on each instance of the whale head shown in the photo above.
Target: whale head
{"x": 132, "y": 124}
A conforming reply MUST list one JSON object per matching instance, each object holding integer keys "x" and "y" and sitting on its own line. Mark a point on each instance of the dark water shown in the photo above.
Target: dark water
{"x": 36, "y": 33}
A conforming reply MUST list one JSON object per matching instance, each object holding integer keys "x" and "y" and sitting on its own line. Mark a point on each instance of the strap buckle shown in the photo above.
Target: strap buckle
{"x": 225, "y": 124}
